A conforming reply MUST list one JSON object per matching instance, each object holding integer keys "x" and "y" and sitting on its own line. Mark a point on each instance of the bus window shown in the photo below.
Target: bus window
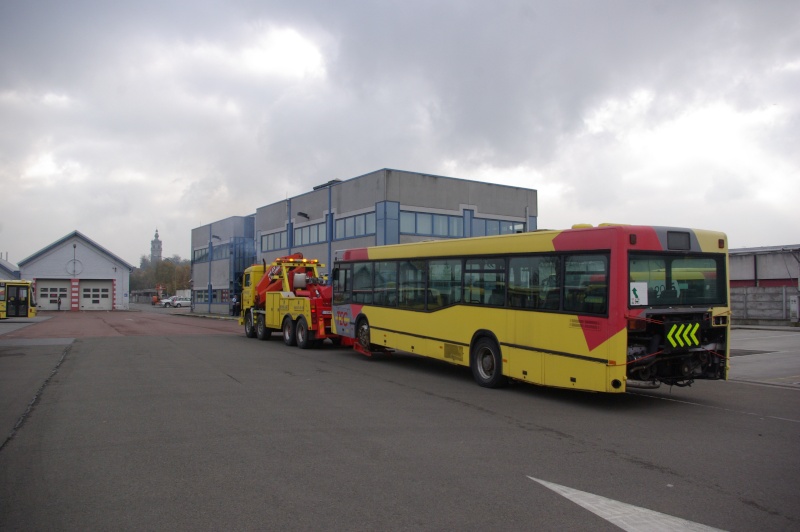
{"x": 385, "y": 284}
{"x": 586, "y": 284}
{"x": 412, "y": 284}
{"x": 362, "y": 282}
{"x": 532, "y": 280}
{"x": 549, "y": 288}
{"x": 672, "y": 280}
{"x": 444, "y": 279}
{"x": 341, "y": 281}
{"x": 485, "y": 281}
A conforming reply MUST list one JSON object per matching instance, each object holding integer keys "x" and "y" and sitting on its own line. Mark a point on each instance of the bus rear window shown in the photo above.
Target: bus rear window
{"x": 670, "y": 280}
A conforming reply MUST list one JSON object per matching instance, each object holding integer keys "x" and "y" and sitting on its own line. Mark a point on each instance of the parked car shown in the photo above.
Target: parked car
{"x": 179, "y": 302}
{"x": 168, "y": 302}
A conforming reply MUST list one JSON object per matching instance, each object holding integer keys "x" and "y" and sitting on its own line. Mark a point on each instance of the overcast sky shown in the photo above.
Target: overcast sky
{"x": 120, "y": 118}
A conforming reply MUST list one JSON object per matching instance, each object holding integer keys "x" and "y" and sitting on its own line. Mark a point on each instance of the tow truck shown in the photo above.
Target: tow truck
{"x": 288, "y": 295}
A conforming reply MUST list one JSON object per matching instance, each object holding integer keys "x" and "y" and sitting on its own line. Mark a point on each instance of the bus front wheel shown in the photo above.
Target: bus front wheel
{"x": 249, "y": 329}
{"x": 362, "y": 334}
{"x": 487, "y": 364}
{"x": 288, "y": 331}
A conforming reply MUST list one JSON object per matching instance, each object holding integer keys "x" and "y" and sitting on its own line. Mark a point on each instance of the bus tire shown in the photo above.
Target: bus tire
{"x": 362, "y": 334}
{"x": 305, "y": 338}
{"x": 288, "y": 329}
{"x": 262, "y": 331}
{"x": 487, "y": 364}
{"x": 249, "y": 329}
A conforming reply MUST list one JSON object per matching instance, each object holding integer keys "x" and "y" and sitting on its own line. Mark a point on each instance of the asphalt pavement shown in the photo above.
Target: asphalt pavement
{"x": 107, "y": 432}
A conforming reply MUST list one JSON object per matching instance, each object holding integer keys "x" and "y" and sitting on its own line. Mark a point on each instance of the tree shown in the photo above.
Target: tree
{"x": 173, "y": 274}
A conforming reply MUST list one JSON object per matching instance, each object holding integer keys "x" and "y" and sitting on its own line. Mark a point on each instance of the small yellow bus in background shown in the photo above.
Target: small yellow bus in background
{"x": 16, "y": 299}
{"x": 599, "y": 309}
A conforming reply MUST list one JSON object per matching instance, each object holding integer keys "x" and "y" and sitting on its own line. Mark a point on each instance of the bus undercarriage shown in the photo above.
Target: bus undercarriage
{"x": 675, "y": 348}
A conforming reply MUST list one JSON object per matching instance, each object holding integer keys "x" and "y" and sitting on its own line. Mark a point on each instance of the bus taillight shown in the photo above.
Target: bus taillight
{"x": 635, "y": 324}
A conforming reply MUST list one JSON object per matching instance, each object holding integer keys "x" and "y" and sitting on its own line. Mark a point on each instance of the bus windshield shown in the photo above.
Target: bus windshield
{"x": 664, "y": 279}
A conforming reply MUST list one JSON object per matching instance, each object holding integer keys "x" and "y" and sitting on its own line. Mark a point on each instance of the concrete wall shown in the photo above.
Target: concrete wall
{"x": 758, "y": 304}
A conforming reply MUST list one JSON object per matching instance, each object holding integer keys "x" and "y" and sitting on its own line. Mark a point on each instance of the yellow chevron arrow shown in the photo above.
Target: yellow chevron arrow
{"x": 693, "y": 334}
{"x": 678, "y": 334}
{"x": 669, "y": 336}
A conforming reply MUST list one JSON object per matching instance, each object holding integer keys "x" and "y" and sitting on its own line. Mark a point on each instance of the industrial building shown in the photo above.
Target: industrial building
{"x": 382, "y": 207}
{"x": 80, "y": 273}
{"x": 764, "y": 284}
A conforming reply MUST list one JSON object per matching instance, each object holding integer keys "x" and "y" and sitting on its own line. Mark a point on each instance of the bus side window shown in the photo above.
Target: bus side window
{"x": 444, "y": 276}
{"x": 342, "y": 285}
{"x": 549, "y": 286}
{"x": 587, "y": 286}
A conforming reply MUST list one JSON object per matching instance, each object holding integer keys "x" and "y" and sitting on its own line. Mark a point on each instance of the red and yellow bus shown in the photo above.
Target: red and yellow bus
{"x": 16, "y": 299}
{"x": 600, "y": 309}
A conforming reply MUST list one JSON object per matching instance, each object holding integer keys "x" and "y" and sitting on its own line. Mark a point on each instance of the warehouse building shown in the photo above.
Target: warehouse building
{"x": 80, "y": 273}
{"x": 382, "y": 207}
{"x": 765, "y": 285}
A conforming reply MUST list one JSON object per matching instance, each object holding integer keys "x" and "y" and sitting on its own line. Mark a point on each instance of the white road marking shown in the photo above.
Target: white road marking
{"x": 626, "y": 516}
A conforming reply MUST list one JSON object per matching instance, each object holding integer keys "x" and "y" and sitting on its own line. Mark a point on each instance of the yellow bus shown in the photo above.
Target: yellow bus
{"x": 601, "y": 309}
{"x": 16, "y": 299}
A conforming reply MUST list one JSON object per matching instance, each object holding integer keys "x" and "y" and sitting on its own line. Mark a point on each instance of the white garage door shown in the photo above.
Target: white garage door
{"x": 95, "y": 295}
{"x": 49, "y": 290}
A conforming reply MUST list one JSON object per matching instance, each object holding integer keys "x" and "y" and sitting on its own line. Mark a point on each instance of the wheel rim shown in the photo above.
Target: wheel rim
{"x": 287, "y": 330}
{"x": 363, "y": 335}
{"x": 248, "y": 324}
{"x": 486, "y": 364}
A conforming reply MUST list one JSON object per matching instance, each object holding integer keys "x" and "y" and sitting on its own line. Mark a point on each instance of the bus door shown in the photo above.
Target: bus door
{"x": 17, "y": 301}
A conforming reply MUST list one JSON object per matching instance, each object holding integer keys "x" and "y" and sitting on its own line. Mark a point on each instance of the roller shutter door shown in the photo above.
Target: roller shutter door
{"x": 95, "y": 295}
{"x": 48, "y": 292}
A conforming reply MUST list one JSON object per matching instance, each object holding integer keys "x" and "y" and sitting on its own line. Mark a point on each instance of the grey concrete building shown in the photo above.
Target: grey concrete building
{"x": 382, "y": 207}
{"x": 221, "y": 251}
{"x": 764, "y": 284}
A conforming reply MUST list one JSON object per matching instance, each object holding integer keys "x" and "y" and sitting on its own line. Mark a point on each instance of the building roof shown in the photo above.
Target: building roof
{"x": 80, "y": 236}
{"x": 8, "y": 270}
{"x": 765, "y": 250}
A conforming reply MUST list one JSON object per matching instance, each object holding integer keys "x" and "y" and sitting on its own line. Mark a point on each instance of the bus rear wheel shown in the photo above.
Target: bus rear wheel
{"x": 288, "y": 329}
{"x": 249, "y": 329}
{"x": 305, "y": 338}
{"x": 487, "y": 364}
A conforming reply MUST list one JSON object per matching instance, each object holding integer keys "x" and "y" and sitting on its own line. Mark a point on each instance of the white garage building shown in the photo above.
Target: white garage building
{"x": 79, "y": 271}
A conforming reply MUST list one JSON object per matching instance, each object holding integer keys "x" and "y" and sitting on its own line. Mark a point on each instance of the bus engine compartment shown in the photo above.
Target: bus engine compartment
{"x": 675, "y": 348}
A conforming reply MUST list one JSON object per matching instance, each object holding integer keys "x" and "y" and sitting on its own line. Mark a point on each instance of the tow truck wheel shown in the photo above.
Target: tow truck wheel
{"x": 262, "y": 332}
{"x": 288, "y": 329}
{"x": 249, "y": 329}
{"x": 305, "y": 338}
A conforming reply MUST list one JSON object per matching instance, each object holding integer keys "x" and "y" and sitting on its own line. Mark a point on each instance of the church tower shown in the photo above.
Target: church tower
{"x": 155, "y": 250}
